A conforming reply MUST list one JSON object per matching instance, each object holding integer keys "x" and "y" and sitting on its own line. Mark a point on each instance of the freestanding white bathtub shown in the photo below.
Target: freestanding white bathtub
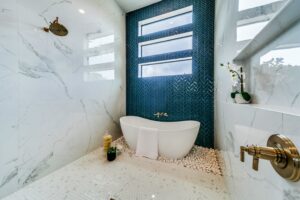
{"x": 175, "y": 139}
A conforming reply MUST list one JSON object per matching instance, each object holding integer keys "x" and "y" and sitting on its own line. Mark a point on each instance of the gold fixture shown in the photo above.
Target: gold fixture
{"x": 281, "y": 152}
{"x": 161, "y": 114}
{"x": 56, "y": 28}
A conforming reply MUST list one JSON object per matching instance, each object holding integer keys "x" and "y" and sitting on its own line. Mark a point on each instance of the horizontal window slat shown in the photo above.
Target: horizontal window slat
{"x": 167, "y": 33}
{"x": 180, "y": 42}
{"x": 167, "y": 56}
{"x": 166, "y": 21}
{"x": 166, "y": 68}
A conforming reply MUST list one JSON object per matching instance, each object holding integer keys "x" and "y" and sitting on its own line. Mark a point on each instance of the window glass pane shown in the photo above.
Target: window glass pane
{"x": 169, "y": 68}
{"x": 166, "y": 24}
{"x": 99, "y": 75}
{"x": 101, "y": 41}
{"x": 247, "y": 4}
{"x": 287, "y": 57}
{"x": 248, "y": 32}
{"x": 105, "y": 58}
{"x": 169, "y": 46}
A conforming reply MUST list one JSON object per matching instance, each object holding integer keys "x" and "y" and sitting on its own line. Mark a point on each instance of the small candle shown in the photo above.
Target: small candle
{"x": 107, "y": 140}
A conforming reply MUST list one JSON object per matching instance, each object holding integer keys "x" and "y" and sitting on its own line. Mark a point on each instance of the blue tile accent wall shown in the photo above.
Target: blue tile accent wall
{"x": 184, "y": 97}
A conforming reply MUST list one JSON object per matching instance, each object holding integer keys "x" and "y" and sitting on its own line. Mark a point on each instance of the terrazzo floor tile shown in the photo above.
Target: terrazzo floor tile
{"x": 127, "y": 178}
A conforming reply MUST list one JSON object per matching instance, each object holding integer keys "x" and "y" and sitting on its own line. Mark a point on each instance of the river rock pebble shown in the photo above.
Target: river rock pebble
{"x": 199, "y": 158}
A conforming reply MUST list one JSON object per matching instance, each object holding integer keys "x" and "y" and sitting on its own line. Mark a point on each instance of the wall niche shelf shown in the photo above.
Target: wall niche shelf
{"x": 270, "y": 108}
{"x": 288, "y": 16}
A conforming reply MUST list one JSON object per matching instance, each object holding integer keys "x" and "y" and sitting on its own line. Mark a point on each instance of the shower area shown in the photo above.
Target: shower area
{"x": 58, "y": 93}
{"x": 71, "y": 69}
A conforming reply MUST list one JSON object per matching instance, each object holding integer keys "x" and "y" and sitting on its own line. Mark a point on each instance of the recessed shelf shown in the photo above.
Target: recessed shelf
{"x": 282, "y": 21}
{"x": 271, "y": 108}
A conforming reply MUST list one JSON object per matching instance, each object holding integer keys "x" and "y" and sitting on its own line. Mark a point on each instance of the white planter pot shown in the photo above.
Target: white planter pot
{"x": 240, "y": 100}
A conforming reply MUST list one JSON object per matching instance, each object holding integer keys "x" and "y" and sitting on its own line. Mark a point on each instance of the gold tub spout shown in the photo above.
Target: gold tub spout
{"x": 265, "y": 153}
{"x": 281, "y": 152}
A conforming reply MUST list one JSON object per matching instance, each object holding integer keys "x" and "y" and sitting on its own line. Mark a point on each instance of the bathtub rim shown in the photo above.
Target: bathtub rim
{"x": 197, "y": 125}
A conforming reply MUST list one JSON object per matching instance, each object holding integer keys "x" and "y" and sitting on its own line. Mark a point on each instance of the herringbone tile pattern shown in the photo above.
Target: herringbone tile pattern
{"x": 185, "y": 97}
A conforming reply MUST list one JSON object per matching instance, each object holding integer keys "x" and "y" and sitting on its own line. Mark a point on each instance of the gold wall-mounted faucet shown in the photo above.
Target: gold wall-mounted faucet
{"x": 265, "y": 153}
{"x": 282, "y": 154}
{"x": 161, "y": 114}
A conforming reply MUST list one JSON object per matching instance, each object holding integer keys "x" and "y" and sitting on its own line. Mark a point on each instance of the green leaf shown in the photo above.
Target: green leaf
{"x": 233, "y": 94}
{"x": 112, "y": 150}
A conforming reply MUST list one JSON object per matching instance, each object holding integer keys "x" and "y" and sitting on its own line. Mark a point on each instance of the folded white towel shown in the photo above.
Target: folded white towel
{"x": 147, "y": 143}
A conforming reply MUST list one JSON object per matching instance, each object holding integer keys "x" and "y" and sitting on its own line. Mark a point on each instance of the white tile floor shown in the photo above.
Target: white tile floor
{"x": 127, "y": 178}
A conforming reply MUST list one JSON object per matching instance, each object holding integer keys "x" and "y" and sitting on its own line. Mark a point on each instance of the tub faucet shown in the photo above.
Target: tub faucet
{"x": 161, "y": 114}
{"x": 281, "y": 152}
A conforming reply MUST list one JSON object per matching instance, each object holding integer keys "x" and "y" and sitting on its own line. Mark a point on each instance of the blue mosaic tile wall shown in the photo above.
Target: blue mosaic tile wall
{"x": 184, "y": 97}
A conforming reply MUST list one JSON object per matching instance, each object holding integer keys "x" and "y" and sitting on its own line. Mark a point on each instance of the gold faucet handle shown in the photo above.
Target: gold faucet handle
{"x": 242, "y": 153}
{"x": 255, "y": 163}
{"x": 157, "y": 114}
{"x": 251, "y": 151}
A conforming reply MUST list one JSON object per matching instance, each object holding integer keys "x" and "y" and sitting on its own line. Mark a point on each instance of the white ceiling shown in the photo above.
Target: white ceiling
{"x": 131, "y": 5}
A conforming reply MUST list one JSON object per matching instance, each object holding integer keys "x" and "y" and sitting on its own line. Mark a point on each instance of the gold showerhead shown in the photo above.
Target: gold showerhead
{"x": 56, "y": 28}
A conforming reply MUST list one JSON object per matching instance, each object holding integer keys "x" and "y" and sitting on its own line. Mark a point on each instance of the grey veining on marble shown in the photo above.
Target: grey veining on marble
{"x": 87, "y": 121}
{"x": 42, "y": 165}
{"x": 109, "y": 114}
{"x": 4, "y": 10}
{"x": 295, "y": 99}
{"x": 31, "y": 71}
{"x": 51, "y": 6}
{"x": 64, "y": 49}
{"x": 8, "y": 51}
{"x": 291, "y": 194}
{"x": 47, "y": 63}
{"x": 9, "y": 177}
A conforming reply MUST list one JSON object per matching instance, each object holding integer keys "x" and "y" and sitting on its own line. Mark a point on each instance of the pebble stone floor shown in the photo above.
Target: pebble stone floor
{"x": 127, "y": 178}
{"x": 199, "y": 158}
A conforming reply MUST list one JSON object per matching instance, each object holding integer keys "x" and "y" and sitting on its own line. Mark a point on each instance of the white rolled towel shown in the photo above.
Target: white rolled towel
{"x": 147, "y": 143}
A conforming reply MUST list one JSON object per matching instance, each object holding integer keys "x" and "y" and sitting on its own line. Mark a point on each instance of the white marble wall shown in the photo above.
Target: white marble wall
{"x": 237, "y": 125}
{"x": 50, "y": 115}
